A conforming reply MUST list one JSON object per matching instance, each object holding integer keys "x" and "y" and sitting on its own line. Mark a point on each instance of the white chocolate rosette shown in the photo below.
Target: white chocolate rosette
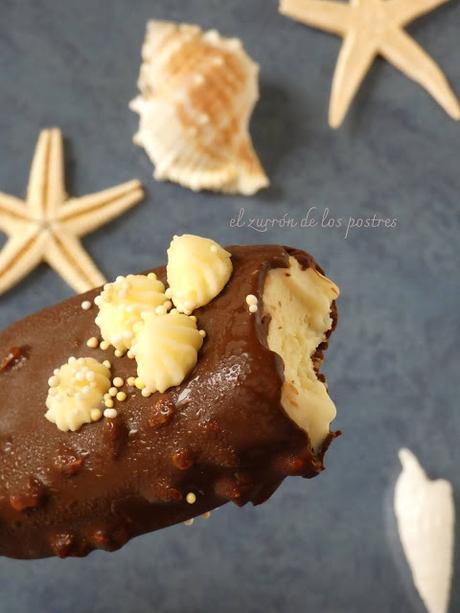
{"x": 122, "y": 303}
{"x": 76, "y": 393}
{"x": 198, "y": 270}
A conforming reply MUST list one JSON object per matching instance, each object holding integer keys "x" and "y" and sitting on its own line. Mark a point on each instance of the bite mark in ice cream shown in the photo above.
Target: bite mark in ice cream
{"x": 299, "y": 304}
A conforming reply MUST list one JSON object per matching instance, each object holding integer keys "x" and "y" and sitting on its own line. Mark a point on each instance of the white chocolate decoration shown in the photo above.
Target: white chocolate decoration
{"x": 198, "y": 269}
{"x": 253, "y": 303}
{"x": 166, "y": 351}
{"x": 197, "y": 93}
{"x": 76, "y": 393}
{"x": 425, "y": 514}
{"x": 299, "y": 304}
{"x": 121, "y": 305}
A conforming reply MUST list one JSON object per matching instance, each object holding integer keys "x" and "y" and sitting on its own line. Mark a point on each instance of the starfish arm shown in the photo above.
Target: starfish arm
{"x": 355, "y": 58}
{"x": 403, "y": 52}
{"x": 403, "y": 12}
{"x": 19, "y": 256}
{"x": 83, "y": 215}
{"x": 12, "y": 213}
{"x": 46, "y": 191}
{"x": 330, "y": 16}
{"x": 69, "y": 259}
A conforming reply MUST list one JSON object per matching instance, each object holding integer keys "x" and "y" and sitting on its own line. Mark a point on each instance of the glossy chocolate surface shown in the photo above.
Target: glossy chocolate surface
{"x": 222, "y": 434}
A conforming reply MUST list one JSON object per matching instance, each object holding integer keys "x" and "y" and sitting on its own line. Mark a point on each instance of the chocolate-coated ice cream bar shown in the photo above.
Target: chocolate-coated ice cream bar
{"x": 163, "y": 396}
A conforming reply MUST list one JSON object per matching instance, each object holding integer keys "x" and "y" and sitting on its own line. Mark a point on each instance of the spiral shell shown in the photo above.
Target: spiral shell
{"x": 198, "y": 90}
{"x": 122, "y": 303}
{"x": 166, "y": 350}
{"x": 425, "y": 514}
{"x": 198, "y": 269}
{"x": 76, "y": 393}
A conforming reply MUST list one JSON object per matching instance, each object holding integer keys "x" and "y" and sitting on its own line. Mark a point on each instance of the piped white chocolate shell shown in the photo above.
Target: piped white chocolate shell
{"x": 122, "y": 303}
{"x": 166, "y": 350}
{"x": 197, "y": 93}
{"x": 198, "y": 269}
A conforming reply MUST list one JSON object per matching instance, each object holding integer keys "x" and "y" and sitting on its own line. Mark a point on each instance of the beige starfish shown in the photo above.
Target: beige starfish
{"x": 47, "y": 226}
{"x": 371, "y": 28}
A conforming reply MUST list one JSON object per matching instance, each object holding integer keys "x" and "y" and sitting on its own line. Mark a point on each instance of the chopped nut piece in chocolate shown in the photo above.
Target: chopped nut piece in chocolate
{"x": 14, "y": 355}
{"x": 162, "y": 413}
{"x": 31, "y": 497}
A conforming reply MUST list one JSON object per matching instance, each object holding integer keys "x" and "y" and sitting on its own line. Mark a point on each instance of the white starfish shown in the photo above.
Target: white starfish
{"x": 47, "y": 226}
{"x": 370, "y": 28}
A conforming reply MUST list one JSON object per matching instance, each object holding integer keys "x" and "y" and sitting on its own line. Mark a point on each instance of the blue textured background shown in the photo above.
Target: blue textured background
{"x": 393, "y": 367}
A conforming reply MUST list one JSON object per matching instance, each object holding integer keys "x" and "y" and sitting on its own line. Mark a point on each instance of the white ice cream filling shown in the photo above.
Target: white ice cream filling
{"x": 299, "y": 304}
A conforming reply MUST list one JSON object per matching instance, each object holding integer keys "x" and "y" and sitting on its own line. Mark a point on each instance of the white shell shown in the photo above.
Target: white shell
{"x": 198, "y": 90}
{"x": 198, "y": 269}
{"x": 426, "y": 515}
{"x": 166, "y": 350}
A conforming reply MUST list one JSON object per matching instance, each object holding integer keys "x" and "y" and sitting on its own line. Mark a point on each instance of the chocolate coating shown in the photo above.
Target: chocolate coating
{"x": 222, "y": 434}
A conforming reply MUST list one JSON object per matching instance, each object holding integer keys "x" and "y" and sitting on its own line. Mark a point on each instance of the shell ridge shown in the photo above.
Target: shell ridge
{"x": 198, "y": 91}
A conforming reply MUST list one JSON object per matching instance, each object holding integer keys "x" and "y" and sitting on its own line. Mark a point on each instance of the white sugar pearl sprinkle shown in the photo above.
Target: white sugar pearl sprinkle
{"x": 191, "y": 498}
{"x": 92, "y": 342}
{"x": 110, "y": 413}
{"x": 86, "y": 305}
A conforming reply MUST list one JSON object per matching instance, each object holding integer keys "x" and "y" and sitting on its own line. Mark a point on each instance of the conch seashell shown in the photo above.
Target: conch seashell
{"x": 198, "y": 90}
{"x": 425, "y": 513}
